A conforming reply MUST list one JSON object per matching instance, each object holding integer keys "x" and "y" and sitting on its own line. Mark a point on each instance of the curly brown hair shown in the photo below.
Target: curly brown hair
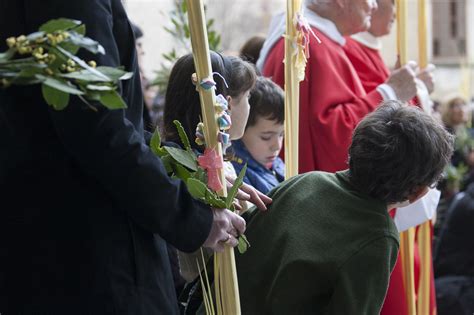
{"x": 397, "y": 150}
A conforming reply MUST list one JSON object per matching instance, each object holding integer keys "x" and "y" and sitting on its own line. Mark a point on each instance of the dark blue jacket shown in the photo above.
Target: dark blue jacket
{"x": 87, "y": 208}
{"x": 257, "y": 175}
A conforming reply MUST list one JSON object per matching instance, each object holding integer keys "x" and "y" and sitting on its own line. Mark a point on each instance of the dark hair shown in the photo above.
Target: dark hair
{"x": 182, "y": 100}
{"x": 266, "y": 101}
{"x": 137, "y": 31}
{"x": 396, "y": 150}
{"x": 251, "y": 49}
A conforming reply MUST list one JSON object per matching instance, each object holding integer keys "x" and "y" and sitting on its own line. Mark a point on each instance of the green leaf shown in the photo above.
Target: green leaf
{"x": 25, "y": 81}
{"x": 155, "y": 144}
{"x": 61, "y": 24}
{"x": 34, "y": 36}
{"x": 187, "y": 33}
{"x": 168, "y": 30}
{"x": 182, "y": 135}
{"x": 60, "y": 58}
{"x": 93, "y": 96}
{"x": 196, "y": 188}
{"x": 81, "y": 62}
{"x": 4, "y": 57}
{"x": 30, "y": 61}
{"x": 243, "y": 244}
{"x": 59, "y": 84}
{"x": 86, "y": 75}
{"x": 81, "y": 29}
{"x": 186, "y": 158}
{"x": 30, "y": 72}
{"x": 115, "y": 74}
{"x": 69, "y": 46}
{"x": 235, "y": 188}
{"x": 112, "y": 100}
{"x": 95, "y": 87}
{"x": 27, "y": 76}
{"x": 210, "y": 23}
{"x": 55, "y": 98}
{"x": 199, "y": 190}
{"x": 200, "y": 175}
{"x": 79, "y": 40}
{"x": 182, "y": 172}
{"x": 7, "y": 74}
{"x": 213, "y": 200}
{"x": 167, "y": 162}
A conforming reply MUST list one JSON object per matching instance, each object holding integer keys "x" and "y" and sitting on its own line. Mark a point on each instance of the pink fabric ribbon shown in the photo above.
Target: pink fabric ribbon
{"x": 211, "y": 162}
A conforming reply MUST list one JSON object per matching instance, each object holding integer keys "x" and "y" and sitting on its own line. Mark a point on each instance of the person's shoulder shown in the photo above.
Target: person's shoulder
{"x": 306, "y": 181}
{"x": 352, "y": 46}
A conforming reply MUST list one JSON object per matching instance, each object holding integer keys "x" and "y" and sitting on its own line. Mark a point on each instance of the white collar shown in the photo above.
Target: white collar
{"x": 278, "y": 27}
{"x": 367, "y": 39}
{"x": 327, "y": 27}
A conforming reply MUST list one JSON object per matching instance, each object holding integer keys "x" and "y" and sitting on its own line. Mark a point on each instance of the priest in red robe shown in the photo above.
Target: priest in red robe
{"x": 332, "y": 96}
{"x": 363, "y": 50}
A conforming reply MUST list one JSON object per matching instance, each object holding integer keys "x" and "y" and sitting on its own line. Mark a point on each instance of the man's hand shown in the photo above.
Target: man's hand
{"x": 226, "y": 228}
{"x": 248, "y": 193}
{"x": 402, "y": 81}
{"x": 426, "y": 76}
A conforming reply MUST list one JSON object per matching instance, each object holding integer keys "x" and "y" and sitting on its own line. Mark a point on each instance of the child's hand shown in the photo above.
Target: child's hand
{"x": 248, "y": 193}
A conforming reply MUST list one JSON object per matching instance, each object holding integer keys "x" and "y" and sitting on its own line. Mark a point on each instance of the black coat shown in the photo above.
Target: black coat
{"x": 454, "y": 254}
{"x": 85, "y": 206}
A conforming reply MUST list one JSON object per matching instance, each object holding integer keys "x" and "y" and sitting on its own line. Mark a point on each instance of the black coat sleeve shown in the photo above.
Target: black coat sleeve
{"x": 109, "y": 145}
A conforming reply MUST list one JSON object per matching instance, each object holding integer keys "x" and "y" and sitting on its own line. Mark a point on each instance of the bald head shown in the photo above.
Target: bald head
{"x": 350, "y": 16}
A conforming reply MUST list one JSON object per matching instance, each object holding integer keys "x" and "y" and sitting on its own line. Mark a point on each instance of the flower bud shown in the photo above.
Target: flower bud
{"x": 71, "y": 63}
{"x": 51, "y": 58}
{"x": 40, "y": 40}
{"x": 21, "y": 39}
{"x": 11, "y": 41}
{"x": 92, "y": 63}
{"x": 5, "y": 82}
{"x": 38, "y": 50}
{"x": 22, "y": 50}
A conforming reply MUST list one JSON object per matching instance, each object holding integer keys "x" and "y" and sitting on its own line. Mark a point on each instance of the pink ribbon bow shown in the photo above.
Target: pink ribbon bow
{"x": 211, "y": 162}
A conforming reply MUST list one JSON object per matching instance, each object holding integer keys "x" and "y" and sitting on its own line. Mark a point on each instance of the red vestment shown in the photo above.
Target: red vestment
{"x": 332, "y": 102}
{"x": 368, "y": 63}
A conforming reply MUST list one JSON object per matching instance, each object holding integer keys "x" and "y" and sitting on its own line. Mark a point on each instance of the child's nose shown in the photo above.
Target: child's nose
{"x": 275, "y": 145}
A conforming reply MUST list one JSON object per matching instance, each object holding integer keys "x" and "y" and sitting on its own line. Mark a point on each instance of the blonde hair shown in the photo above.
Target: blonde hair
{"x": 446, "y": 115}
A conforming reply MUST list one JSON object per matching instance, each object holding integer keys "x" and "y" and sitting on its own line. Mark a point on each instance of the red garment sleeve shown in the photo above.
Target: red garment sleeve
{"x": 368, "y": 63}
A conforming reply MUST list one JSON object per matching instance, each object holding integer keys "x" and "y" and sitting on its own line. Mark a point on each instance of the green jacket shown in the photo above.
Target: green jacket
{"x": 322, "y": 248}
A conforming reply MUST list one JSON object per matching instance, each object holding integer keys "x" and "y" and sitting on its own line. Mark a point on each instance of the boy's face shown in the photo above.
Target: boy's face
{"x": 264, "y": 140}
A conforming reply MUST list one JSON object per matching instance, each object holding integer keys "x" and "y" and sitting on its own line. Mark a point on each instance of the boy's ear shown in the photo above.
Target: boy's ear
{"x": 418, "y": 194}
{"x": 228, "y": 98}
